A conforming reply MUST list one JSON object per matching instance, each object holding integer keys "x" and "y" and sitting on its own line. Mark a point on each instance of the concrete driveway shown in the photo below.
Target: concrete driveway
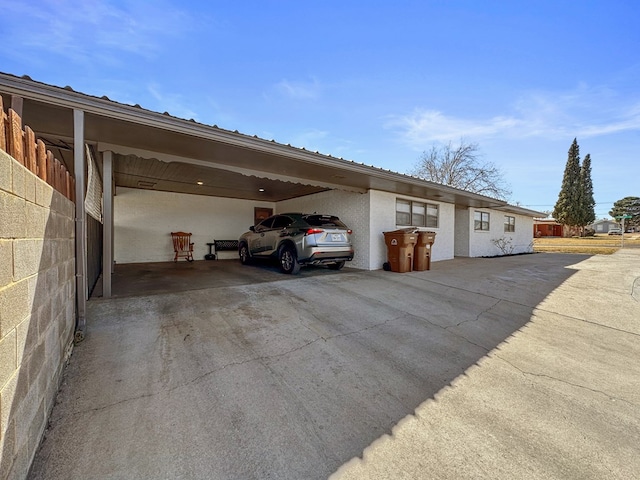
{"x": 514, "y": 367}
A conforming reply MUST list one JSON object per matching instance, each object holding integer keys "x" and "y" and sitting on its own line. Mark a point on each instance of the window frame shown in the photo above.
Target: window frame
{"x": 481, "y": 221}
{"x": 428, "y": 218}
{"x": 509, "y": 224}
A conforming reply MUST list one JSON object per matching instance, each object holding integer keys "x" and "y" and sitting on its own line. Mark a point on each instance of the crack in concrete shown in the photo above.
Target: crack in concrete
{"x": 477, "y": 316}
{"x": 566, "y": 382}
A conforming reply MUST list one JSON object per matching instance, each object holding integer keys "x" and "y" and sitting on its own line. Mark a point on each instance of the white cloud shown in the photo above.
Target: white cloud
{"x": 310, "y": 138}
{"x": 93, "y": 29}
{"x": 299, "y": 90}
{"x": 172, "y": 103}
{"x": 584, "y": 112}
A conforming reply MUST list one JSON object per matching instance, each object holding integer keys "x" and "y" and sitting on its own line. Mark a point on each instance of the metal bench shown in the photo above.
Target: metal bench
{"x": 220, "y": 246}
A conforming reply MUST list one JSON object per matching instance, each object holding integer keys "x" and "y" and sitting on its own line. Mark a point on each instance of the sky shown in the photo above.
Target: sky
{"x": 374, "y": 82}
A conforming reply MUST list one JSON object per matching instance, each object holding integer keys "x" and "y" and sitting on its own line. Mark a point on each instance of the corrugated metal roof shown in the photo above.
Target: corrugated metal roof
{"x": 132, "y": 129}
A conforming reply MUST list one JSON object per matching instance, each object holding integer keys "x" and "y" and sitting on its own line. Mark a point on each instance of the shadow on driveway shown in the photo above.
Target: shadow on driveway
{"x": 285, "y": 379}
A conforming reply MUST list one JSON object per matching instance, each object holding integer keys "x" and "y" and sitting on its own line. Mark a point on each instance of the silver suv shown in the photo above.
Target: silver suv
{"x": 297, "y": 239}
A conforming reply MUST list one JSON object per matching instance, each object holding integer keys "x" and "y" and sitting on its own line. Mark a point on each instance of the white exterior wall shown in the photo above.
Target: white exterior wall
{"x": 144, "y": 220}
{"x": 481, "y": 242}
{"x": 462, "y": 225}
{"x": 353, "y": 210}
{"x": 383, "y": 219}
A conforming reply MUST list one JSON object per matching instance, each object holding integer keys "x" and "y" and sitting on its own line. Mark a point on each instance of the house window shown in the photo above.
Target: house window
{"x": 481, "y": 221}
{"x": 509, "y": 223}
{"x": 416, "y": 214}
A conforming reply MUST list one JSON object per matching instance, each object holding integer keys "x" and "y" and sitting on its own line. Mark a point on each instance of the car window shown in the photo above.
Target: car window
{"x": 324, "y": 221}
{"x": 282, "y": 221}
{"x": 265, "y": 224}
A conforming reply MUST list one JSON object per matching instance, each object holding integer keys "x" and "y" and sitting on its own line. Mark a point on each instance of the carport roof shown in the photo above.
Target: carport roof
{"x": 162, "y": 152}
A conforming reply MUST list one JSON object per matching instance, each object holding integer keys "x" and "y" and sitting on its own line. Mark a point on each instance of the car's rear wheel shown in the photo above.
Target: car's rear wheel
{"x": 244, "y": 254}
{"x": 289, "y": 260}
{"x": 336, "y": 266}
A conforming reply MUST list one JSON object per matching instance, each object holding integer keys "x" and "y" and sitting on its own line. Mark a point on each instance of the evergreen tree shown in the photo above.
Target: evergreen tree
{"x": 587, "y": 203}
{"x": 567, "y": 208}
{"x": 627, "y": 206}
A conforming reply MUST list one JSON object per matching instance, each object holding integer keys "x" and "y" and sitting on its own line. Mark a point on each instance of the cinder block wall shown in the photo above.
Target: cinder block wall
{"x": 37, "y": 309}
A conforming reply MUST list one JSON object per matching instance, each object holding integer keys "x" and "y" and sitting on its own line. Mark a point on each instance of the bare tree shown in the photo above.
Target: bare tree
{"x": 462, "y": 167}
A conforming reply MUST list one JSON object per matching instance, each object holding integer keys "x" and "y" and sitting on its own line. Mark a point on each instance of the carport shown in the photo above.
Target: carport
{"x": 141, "y": 150}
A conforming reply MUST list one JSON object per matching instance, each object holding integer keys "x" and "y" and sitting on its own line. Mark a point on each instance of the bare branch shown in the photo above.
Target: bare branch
{"x": 461, "y": 167}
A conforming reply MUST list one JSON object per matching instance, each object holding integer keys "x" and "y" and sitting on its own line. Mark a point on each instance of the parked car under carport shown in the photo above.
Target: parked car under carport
{"x": 297, "y": 239}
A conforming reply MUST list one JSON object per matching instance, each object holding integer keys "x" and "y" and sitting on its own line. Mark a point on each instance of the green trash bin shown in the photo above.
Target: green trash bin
{"x": 400, "y": 245}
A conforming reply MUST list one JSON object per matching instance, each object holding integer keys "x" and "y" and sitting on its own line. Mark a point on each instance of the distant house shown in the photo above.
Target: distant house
{"x": 547, "y": 227}
{"x": 603, "y": 226}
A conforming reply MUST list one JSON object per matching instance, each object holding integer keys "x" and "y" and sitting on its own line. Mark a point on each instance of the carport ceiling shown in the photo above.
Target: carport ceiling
{"x": 152, "y": 174}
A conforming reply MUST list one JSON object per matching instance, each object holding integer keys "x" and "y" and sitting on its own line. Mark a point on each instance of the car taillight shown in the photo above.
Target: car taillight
{"x": 313, "y": 231}
{"x": 349, "y": 231}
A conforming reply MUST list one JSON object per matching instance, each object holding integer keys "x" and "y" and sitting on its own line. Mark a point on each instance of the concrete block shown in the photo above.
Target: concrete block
{"x": 27, "y": 336}
{"x": 46, "y": 260}
{"x": 18, "y": 176}
{"x": 5, "y": 171}
{"x": 36, "y": 431}
{"x": 44, "y": 193}
{"x": 7, "y": 446}
{"x": 68, "y": 208}
{"x": 6, "y": 262}
{"x": 44, "y": 317}
{"x": 36, "y": 362}
{"x": 51, "y": 339}
{"x": 35, "y": 220}
{"x": 14, "y": 306}
{"x": 30, "y": 186}
{"x": 8, "y": 399}
{"x": 27, "y": 255}
{"x": 12, "y": 216}
{"x": 49, "y": 279}
{"x": 8, "y": 357}
{"x": 26, "y": 413}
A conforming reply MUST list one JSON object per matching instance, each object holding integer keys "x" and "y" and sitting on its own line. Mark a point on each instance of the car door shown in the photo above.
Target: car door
{"x": 257, "y": 242}
{"x": 275, "y": 233}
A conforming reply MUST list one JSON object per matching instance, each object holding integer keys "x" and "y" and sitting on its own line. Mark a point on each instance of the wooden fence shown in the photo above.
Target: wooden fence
{"x": 33, "y": 154}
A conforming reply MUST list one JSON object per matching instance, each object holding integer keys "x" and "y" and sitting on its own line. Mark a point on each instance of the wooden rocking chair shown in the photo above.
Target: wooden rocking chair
{"x": 182, "y": 246}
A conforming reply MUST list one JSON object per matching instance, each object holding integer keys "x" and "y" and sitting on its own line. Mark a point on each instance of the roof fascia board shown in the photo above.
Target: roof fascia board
{"x": 521, "y": 211}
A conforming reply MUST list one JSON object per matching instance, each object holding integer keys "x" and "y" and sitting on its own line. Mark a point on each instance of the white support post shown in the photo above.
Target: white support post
{"x": 107, "y": 245}
{"x": 82, "y": 292}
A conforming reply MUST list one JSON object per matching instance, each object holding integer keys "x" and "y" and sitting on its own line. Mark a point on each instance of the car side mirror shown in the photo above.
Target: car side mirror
{"x": 252, "y": 228}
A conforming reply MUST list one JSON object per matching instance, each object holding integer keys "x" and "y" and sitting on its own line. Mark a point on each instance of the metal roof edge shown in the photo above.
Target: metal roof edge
{"x": 103, "y": 106}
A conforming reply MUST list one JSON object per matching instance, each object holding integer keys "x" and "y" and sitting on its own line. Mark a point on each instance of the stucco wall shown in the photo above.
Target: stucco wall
{"x": 37, "y": 308}
{"x": 353, "y": 210}
{"x": 481, "y": 242}
{"x": 144, "y": 219}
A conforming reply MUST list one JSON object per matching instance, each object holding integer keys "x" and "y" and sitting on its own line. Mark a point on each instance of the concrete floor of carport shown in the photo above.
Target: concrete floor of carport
{"x": 515, "y": 367}
{"x": 133, "y": 279}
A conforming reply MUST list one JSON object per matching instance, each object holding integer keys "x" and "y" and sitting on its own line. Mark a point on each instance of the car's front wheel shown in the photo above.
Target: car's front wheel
{"x": 244, "y": 254}
{"x": 289, "y": 260}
